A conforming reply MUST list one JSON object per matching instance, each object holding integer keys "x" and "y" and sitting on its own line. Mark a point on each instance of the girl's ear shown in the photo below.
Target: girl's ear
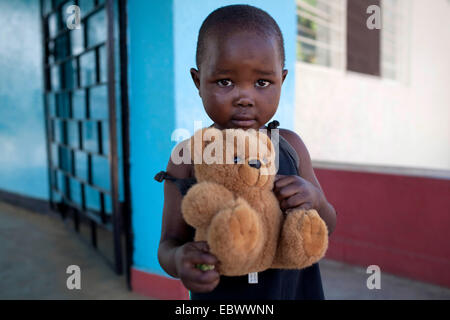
{"x": 196, "y": 78}
{"x": 283, "y": 75}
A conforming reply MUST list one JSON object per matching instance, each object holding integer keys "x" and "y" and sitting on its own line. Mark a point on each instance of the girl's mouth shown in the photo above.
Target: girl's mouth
{"x": 243, "y": 123}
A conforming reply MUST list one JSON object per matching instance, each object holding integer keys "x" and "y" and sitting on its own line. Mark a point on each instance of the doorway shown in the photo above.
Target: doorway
{"x": 86, "y": 117}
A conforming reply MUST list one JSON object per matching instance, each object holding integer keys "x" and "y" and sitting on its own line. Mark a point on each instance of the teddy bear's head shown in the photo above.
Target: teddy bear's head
{"x": 235, "y": 158}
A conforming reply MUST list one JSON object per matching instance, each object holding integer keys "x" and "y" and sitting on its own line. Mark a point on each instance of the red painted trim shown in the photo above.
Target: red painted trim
{"x": 400, "y": 223}
{"x": 157, "y": 287}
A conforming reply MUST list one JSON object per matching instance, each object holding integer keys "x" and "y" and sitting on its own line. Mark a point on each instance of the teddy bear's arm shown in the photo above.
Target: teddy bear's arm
{"x": 203, "y": 201}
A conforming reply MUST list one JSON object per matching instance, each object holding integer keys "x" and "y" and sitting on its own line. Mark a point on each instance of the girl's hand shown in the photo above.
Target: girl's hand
{"x": 295, "y": 192}
{"x": 190, "y": 259}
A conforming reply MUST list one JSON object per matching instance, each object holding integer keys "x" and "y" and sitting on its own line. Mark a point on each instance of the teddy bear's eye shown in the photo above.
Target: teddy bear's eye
{"x": 237, "y": 159}
{"x": 255, "y": 163}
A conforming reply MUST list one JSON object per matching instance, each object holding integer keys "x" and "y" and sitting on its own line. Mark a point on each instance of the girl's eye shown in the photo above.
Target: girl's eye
{"x": 262, "y": 83}
{"x": 224, "y": 83}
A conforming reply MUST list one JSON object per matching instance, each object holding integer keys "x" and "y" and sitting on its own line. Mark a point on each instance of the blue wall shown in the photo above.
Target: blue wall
{"x": 162, "y": 42}
{"x": 152, "y": 119}
{"x": 23, "y": 157}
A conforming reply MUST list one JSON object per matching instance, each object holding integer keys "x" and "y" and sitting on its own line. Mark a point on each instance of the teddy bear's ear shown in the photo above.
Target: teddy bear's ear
{"x": 200, "y": 140}
{"x": 266, "y": 141}
{"x": 268, "y": 153}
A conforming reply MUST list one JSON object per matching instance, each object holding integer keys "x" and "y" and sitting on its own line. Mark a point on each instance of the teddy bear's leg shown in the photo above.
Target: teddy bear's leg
{"x": 236, "y": 237}
{"x": 303, "y": 241}
{"x": 203, "y": 201}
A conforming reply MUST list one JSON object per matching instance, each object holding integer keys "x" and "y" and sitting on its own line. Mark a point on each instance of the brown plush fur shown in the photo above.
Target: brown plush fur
{"x": 234, "y": 209}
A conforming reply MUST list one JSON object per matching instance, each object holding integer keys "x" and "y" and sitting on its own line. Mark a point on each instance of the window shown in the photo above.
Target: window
{"x": 394, "y": 39}
{"x": 321, "y": 32}
{"x": 335, "y": 34}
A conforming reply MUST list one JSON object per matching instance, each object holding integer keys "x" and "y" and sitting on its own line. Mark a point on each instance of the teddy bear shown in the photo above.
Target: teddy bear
{"x": 233, "y": 208}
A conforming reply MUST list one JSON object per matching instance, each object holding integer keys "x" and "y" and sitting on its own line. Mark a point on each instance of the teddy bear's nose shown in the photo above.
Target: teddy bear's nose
{"x": 255, "y": 163}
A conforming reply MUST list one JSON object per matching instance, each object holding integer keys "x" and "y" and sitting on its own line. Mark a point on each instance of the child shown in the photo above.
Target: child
{"x": 240, "y": 61}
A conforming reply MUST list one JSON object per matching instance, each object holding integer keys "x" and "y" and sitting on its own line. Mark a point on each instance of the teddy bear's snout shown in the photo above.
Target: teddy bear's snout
{"x": 255, "y": 163}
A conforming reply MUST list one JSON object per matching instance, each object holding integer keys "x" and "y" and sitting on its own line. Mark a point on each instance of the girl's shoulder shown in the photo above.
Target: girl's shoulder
{"x": 177, "y": 167}
{"x": 294, "y": 139}
{"x": 288, "y": 134}
{"x": 179, "y": 172}
{"x": 297, "y": 148}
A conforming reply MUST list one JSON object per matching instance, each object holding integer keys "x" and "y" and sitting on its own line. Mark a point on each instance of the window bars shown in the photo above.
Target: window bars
{"x": 321, "y": 32}
{"x": 395, "y": 39}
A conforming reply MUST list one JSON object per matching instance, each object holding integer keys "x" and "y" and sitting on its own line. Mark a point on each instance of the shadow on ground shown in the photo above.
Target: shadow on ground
{"x": 36, "y": 249}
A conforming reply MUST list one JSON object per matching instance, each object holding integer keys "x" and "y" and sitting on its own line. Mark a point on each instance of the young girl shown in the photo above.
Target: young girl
{"x": 240, "y": 70}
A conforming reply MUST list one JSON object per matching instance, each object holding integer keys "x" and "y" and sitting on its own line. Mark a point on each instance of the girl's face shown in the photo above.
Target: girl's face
{"x": 239, "y": 80}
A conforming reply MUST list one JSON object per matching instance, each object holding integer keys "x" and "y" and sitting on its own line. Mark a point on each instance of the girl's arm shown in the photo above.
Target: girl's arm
{"x": 174, "y": 231}
{"x": 177, "y": 253}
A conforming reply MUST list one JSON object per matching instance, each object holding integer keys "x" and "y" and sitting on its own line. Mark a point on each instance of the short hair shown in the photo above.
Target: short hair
{"x": 235, "y": 18}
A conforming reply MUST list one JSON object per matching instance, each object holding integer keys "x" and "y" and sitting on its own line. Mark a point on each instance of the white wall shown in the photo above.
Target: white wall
{"x": 347, "y": 117}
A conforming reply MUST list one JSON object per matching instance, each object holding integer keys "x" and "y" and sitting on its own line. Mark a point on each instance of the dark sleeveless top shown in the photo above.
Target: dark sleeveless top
{"x": 273, "y": 284}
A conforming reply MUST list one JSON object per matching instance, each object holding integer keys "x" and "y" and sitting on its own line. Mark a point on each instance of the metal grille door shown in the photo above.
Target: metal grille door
{"x": 82, "y": 116}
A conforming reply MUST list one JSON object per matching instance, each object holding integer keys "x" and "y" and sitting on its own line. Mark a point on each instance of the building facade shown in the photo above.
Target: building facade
{"x": 91, "y": 112}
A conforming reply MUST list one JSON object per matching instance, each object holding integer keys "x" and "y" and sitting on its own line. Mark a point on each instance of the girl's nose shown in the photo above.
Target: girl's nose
{"x": 244, "y": 100}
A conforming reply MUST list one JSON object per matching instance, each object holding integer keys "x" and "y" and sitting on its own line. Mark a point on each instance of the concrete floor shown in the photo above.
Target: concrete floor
{"x": 342, "y": 281}
{"x": 36, "y": 249}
